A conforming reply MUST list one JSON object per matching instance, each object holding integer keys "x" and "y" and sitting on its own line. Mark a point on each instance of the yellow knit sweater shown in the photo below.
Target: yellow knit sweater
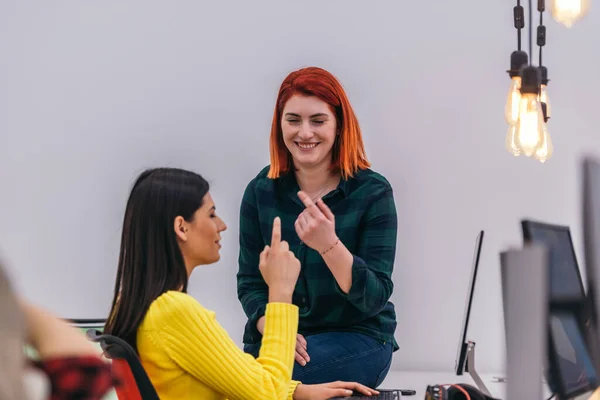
{"x": 188, "y": 355}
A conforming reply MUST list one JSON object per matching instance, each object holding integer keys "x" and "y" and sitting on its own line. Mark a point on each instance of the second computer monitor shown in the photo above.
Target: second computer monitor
{"x": 570, "y": 369}
{"x": 565, "y": 281}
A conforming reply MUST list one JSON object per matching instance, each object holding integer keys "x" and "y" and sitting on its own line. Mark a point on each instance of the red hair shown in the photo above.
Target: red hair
{"x": 348, "y": 150}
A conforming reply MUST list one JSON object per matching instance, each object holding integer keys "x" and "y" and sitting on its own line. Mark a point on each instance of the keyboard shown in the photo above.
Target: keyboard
{"x": 383, "y": 395}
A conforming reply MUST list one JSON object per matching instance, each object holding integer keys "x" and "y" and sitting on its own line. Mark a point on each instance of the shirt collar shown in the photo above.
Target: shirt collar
{"x": 289, "y": 184}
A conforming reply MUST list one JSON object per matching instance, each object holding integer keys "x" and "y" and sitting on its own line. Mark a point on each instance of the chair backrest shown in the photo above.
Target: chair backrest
{"x": 128, "y": 390}
{"x": 97, "y": 323}
{"x": 118, "y": 349}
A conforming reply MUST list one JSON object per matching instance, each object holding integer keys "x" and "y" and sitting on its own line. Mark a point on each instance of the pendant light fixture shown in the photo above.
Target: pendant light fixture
{"x": 567, "y": 12}
{"x": 527, "y": 108}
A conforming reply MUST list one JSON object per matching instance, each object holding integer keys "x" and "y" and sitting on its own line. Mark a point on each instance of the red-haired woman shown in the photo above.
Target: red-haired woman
{"x": 340, "y": 220}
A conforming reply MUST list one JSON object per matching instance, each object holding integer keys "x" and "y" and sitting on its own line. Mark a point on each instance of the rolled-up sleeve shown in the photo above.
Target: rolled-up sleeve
{"x": 374, "y": 257}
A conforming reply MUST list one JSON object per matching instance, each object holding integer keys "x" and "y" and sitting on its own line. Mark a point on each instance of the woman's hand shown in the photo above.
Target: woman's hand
{"x": 279, "y": 267}
{"x": 301, "y": 350}
{"x": 326, "y": 391}
{"x": 301, "y": 356}
{"x": 315, "y": 226}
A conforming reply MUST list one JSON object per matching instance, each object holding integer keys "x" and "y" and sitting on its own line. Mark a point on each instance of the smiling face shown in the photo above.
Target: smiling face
{"x": 199, "y": 238}
{"x": 309, "y": 130}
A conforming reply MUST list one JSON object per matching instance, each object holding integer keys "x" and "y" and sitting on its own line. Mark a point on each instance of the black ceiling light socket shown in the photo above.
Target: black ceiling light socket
{"x": 518, "y": 59}
{"x": 530, "y": 80}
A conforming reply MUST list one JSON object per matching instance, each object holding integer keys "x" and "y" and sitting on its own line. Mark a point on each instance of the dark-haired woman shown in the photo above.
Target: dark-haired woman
{"x": 170, "y": 227}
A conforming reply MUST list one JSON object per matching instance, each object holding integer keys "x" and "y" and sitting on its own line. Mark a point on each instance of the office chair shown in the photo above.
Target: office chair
{"x": 87, "y": 323}
{"x": 118, "y": 350}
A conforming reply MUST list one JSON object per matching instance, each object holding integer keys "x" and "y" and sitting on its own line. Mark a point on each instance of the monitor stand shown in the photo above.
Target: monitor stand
{"x": 471, "y": 369}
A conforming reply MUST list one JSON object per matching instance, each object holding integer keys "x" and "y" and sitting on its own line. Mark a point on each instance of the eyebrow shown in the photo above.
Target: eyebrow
{"x": 213, "y": 208}
{"x": 312, "y": 116}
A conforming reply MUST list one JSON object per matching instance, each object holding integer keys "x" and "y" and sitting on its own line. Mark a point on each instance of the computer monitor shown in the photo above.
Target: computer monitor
{"x": 566, "y": 285}
{"x": 591, "y": 236}
{"x": 463, "y": 344}
{"x": 568, "y": 371}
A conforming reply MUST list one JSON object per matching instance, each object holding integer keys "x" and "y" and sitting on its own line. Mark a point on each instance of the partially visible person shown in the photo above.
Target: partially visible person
{"x": 71, "y": 365}
{"x": 339, "y": 217}
{"x": 170, "y": 227}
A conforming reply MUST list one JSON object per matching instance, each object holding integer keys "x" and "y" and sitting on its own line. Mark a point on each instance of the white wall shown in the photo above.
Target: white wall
{"x": 93, "y": 92}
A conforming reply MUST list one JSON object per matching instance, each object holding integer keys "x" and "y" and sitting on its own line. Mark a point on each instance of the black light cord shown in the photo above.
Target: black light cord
{"x": 541, "y": 45}
{"x": 518, "y": 22}
{"x": 518, "y": 58}
{"x": 541, "y": 42}
{"x": 518, "y": 10}
{"x": 530, "y": 32}
{"x": 541, "y": 29}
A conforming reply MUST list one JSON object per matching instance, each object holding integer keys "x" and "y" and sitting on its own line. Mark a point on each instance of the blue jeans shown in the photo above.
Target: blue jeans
{"x": 341, "y": 356}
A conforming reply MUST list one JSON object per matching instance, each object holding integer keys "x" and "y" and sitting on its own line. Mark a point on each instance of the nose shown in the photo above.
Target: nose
{"x": 305, "y": 132}
{"x": 223, "y": 226}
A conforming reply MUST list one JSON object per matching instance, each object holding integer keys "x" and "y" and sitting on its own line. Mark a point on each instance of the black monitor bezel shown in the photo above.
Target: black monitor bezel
{"x": 526, "y": 227}
{"x": 461, "y": 360}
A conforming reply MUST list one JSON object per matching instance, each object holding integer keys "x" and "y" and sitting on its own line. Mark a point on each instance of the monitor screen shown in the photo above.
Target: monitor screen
{"x": 564, "y": 275}
{"x": 574, "y": 370}
{"x": 461, "y": 353}
{"x": 591, "y": 219}
{"x": 591, "y": 235}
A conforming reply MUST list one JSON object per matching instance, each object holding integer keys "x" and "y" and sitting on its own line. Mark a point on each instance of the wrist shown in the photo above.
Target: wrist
{"x": 280, "y": 296}
{"x": 299, "y": 392}
{"x": 332, "y": 244}
{"x": 260, "y": 325}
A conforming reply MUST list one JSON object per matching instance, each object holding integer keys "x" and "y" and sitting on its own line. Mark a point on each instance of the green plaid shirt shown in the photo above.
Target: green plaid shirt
{"x": 365, "y": 221}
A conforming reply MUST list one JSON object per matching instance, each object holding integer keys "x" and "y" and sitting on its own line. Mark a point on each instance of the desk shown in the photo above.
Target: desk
{"x": 418, "y": 381}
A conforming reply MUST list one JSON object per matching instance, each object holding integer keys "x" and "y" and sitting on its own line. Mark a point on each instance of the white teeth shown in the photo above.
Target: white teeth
{"x": 307, "y": 146}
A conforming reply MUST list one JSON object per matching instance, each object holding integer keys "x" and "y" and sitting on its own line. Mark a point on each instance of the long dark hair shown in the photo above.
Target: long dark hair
{"x": 150, "y": 260}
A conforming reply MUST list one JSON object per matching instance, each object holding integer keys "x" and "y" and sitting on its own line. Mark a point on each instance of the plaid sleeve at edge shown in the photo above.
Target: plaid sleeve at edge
{"x": 78, "y": 377}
